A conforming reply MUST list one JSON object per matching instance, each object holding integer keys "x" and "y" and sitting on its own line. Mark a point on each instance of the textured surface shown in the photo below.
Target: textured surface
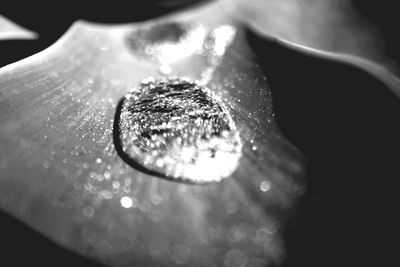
{"x": 61, "y": 174}
{"x": 180, "y": 130}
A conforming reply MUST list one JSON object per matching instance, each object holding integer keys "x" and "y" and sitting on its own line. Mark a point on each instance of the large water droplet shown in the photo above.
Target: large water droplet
{"x": 178, "y": 130}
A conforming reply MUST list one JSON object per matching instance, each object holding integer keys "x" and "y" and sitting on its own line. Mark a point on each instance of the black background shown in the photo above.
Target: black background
{"x": 343, "y": 120}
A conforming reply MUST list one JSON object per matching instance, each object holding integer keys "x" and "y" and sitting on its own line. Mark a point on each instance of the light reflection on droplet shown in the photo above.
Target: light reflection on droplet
{"x": 126, "y": 202}
{"x": 115, "y": 184}
{"x": 166, "y": 43}
{"x": 46, "y": 164}
{"x": 265, "y": 186}
{"x": 106, "y": 194}
{"x": 165, "y": 70}
{"x": 222, "y": 36}
{"x": 107, "y": 175}
{"x": 156, "y": 199}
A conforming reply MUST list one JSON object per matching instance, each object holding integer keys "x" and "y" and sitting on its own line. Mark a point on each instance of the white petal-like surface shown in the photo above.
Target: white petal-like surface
{"x": 61, "y": 174}
{"x": 327, "y": 29}
{"x": 10, "y": 30}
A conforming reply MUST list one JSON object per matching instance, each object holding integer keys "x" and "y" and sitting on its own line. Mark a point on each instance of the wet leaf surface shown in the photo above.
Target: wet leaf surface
{"x": 62, "y": 175}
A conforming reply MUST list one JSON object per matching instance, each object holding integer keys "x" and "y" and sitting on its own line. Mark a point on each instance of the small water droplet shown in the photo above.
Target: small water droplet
{"x": 106, "y": 194}
{"x": 88, "y": 211}
{"x": 126, "y": 188}
{"x": 265, "y": 186}
{"x": 107, "y": 175}
{"x": 156, "y": 199}
{"x": 46, "y": 164}
{"x": 126, "y": 202}
{"x": 177, "y": 129}
{"x": 115, "y": 184}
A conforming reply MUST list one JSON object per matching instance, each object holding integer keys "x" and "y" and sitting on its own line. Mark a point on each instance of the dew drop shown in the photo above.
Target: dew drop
{"x": 106, "y": 194}
{"x": 179, "y": 130}
{"x": 265, "y": 186}
{"x": 88, "y": 211}
{"x": 126, "y": 202}
{"x": 165, "y": 70}
{"x": 46, "y": 164}
{"x": 115, "y": 184}
{"x": 156, "y": 199}
{"x": 107, "y": 175}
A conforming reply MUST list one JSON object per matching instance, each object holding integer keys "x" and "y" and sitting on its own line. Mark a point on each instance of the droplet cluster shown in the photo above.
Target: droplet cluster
{"x": 180, "y": 130}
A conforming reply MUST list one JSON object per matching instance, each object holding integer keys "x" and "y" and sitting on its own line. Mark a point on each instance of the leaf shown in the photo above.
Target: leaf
{"x": 328, "y": 29}
{"x": 10, "y": 30}
{"x": 61, "y": 173}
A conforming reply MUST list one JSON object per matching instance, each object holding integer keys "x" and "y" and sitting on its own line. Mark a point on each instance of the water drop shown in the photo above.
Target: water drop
{"x": 106, "y": 194}
{"x": 165, "y": 70}
{"x": 88, "y": 211}
{"x": 156, "y": 199}
{"x": 115, "y": 184}
{"x": 107, "y": 175}
{"x": 46, "y": 164}
{"x": 177, "y": 129}
{"x": 126, "y": 202}
{"x": 265, "y": 186}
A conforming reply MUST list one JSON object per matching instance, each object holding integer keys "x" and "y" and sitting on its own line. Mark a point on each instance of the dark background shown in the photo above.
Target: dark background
{"x": 344, "y": 121}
